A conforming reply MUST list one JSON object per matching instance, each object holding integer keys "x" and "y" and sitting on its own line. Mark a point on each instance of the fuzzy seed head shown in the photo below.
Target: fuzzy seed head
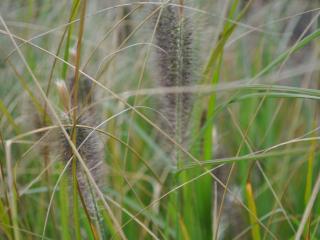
{"x": 173, "y": 36}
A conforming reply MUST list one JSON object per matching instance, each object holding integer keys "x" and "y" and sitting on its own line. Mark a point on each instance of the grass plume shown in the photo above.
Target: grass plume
{"x": 87, "y": 140}
{"x": 174, "y": 37}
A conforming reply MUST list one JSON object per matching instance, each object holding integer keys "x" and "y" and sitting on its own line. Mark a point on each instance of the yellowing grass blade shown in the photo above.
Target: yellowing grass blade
{"x": 255, "y": 231}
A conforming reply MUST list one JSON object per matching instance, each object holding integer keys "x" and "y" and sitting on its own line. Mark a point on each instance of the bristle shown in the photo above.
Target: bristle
{"x": 86, "y": 93}
{"x": 88, "y": 144}
{"x": 173, "y": 36}
{"x": 91, "y": 150}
